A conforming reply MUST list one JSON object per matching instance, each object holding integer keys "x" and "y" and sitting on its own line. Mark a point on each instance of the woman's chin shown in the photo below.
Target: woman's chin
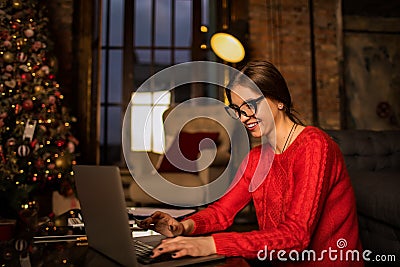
{"x": 255, "y": 134}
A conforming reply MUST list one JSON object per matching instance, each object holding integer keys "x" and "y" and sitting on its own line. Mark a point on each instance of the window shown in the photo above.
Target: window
{"x": 164, "y": 33}
{"x": 150, "y": 137}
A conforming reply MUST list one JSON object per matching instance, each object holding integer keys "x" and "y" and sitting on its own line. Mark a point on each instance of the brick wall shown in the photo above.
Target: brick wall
{"x": 279, "y": 31}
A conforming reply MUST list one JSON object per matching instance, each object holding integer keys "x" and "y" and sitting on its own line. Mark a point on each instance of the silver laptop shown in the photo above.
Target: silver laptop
{"x": 106, "y": 220}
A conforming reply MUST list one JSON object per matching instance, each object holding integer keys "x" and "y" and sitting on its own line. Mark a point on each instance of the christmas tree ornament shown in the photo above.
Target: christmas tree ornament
{"x": 22, "y": 57}
{"x": 52, "y": 100}
{"x": 21, "y": 245}
{"x": 17, "y": 109}
{"x": 24, "y": 68}
{"x": 45, "y": 69}
{"x": 26, "y": 77}
{"x": 23, "y": 150}
{"x": 38, "y": 88}
{"x": 60, "y": 143}
{"x": 36, "y": 46}
{"x": 39, "y": 163}
{"x": 11, "y": 141}
{"x": 8, "y": 254}
{"x": 29, "y": 130}
{"x": 27, "y": 104}
{"x": 63, "y": 161}
{"x": 8, "y": 57}
{"x": 39, "y": 74}
{"x": 7, "y": 44}
{"x": 9, "y": 68}
{"x": 51, "y": 166}
{"x": 71, "y": 147}
{"x": 11, "y": 83}
{"x": 29, "y": 33}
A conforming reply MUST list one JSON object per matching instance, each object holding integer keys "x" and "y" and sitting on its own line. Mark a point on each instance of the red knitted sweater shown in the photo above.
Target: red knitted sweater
{"x": 306, "y": 203}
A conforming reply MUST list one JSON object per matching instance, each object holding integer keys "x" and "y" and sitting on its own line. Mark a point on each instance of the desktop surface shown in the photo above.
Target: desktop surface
{"x": 70, "y": 248}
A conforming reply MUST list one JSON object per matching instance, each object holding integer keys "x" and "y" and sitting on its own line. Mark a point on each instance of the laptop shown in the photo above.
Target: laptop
{"x": 106, "y": 220}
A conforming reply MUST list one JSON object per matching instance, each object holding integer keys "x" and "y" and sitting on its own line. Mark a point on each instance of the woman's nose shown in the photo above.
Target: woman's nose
{"x": 244, "y": 119}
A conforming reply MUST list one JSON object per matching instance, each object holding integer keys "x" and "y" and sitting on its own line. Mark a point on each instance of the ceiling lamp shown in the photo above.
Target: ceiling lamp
{"x": 227, "y": 47}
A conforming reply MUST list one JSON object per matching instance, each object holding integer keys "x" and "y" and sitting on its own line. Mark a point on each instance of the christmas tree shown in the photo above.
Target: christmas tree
{"x": 37, "y": 148}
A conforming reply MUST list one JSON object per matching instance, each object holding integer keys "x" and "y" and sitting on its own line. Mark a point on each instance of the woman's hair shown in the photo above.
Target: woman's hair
{"x": 269, "y": 80}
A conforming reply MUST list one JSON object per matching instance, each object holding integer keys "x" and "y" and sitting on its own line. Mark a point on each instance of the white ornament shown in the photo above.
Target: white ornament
{"x": 23, "y": 150}
{"x": 29, "y": 130}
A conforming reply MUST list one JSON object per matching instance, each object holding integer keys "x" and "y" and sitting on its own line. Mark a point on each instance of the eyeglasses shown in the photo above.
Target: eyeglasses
{"x": 248, "y": 108}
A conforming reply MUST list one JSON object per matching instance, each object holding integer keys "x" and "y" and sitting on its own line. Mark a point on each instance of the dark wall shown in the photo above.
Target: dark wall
{"x": 372, "y": 64}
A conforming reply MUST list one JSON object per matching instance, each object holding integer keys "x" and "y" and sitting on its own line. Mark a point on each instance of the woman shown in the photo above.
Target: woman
{"x": 305, "y": 206}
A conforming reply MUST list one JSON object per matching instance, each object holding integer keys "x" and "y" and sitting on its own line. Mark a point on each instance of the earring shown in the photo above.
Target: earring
{"x": 280, "y": 106}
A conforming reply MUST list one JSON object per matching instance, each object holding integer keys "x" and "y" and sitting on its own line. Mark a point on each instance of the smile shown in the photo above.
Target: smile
{"x": 251, "y": 126}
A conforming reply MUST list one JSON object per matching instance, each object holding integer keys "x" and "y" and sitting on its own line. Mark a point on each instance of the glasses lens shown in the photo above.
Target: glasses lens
{"x": 247, "y": 110}
{"x": 233, "y": 112}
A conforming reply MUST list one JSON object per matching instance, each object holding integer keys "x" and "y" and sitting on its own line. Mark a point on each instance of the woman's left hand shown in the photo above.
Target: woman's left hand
{"x": 186, "y": 246}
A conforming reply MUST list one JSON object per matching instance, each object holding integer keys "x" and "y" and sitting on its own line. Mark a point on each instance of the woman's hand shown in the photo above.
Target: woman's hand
{"x": 186, "y": 246}
{"x": 163, "y": 223}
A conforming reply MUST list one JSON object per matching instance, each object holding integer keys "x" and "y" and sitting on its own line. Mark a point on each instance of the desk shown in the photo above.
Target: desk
{"x": 73, "y": 253}
{"x": 68, "y": 254}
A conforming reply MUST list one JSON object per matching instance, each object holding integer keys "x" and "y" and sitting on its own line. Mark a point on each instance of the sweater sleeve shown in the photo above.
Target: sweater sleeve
{"x": 311, "y": 183}
{"x": 220, "y": 215}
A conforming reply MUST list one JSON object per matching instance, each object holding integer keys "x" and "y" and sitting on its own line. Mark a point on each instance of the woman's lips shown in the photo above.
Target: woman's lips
{"x": 252, "y": 125}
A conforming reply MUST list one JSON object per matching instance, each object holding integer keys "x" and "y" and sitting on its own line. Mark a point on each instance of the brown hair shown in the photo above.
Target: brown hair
{"x": 269, "y": 80}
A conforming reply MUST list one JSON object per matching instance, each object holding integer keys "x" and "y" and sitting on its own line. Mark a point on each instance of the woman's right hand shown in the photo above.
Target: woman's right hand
{"x": 163, "y": 223}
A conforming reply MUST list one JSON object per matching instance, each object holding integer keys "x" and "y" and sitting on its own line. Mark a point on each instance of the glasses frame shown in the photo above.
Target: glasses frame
{"x": 252, "y": 104}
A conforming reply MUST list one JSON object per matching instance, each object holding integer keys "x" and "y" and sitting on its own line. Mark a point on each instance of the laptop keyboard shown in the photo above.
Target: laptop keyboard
{"x": 143, "y": 253}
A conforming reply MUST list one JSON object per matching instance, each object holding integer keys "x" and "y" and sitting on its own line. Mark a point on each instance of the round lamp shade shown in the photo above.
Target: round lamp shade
{"x": 227, "y": 47}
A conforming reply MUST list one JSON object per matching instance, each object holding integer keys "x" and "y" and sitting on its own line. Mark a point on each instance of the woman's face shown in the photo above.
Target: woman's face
{"x": 261, "y": 114}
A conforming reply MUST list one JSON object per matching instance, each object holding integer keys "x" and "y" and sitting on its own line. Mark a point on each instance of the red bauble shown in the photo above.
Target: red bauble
{"x": 26, "y": 77}
{"x": 39, "y": 163}
{"x": 27, "y": 104}
{"x": 17, "y": 108}
{"x": 60, "y": 143}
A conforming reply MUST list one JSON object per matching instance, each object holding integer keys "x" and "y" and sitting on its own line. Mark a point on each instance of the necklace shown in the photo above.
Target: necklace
{"x": 289, "y": 138}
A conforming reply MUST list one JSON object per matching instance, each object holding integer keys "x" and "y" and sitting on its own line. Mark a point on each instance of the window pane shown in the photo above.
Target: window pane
{"x": 147, "y": 130}
{"x": 162, "y": 97}
{"x": 140, "y": 128}
{"x": 142, "y": 98}
{"x": 114, "y": 127}
{"x": 102, "y": 109}
{"x": 182, "y": 56}
{"x": 143, "y": 55}
{"x": 183, "y": 23}
{"x": 158, "y": 129}
{"x": 142, "y": 73}
{"x": 204, "y": 12}
{"x": 103, "y": 75}
{"x": 115, "y": 77}
{"x": 116, "y": 22}
{"x": 163, "y": 57}
{"x": 143, "y": 23}
{"x": 163, "y": 23}
{"x": 104, "y": 22}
